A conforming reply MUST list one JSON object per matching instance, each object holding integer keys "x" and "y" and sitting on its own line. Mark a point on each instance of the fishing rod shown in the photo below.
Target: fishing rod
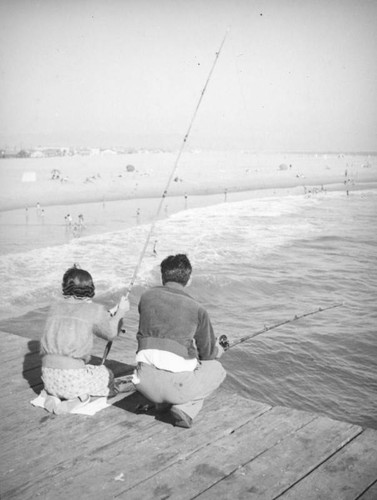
{"x": 226, "y": 345}
{"x": 165, "y": 192}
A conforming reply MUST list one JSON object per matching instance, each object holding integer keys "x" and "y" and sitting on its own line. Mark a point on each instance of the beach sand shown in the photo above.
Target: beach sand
{"x": 86, "y": 179}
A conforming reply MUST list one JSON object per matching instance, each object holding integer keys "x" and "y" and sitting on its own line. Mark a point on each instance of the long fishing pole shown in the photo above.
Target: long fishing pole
{"x": 165, "y": 192}
{"x": 224, "y": 342}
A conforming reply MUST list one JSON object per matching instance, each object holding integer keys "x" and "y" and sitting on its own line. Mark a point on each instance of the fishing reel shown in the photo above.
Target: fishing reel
{"x": 224, "y": 342}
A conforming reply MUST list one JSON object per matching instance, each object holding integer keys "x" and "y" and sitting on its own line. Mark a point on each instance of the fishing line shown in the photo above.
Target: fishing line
{"x": 165, "y": 192}
{"x": 226, "y": 345}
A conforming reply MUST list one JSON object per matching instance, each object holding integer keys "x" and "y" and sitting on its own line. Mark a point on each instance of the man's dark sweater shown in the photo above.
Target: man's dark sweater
{"x": 171, "y": 320}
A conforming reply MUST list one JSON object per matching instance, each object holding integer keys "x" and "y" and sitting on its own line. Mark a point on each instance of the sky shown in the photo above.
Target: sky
{"x": 292, "y": 75}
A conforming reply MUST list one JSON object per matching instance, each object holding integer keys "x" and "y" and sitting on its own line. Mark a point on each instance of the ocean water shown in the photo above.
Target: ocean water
{"x": 257, "y": 262}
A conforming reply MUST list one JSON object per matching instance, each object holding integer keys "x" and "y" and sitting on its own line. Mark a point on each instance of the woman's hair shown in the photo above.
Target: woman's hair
{"x": 77, "y": 282}
{"x": 176, "y": 268}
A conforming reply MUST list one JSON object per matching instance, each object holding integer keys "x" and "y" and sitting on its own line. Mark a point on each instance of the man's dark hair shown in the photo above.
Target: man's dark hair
{"x": 176, "y": 268}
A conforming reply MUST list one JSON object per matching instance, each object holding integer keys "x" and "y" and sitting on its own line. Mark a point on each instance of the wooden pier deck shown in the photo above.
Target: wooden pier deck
{"x": 236, "y": 449}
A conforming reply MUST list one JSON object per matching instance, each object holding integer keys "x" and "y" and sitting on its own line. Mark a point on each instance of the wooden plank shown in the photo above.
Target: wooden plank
{"x": 50, "y": 439}
{"x": 16, "y": 384}
{"x": 14, "y": 347}
{"x": 16, "y": 396}
{"x": 291, "y": 459}
{"x": 345, "y": 474}
{"x": 127, "y": 411}
{"x": 46, "y": 426}
{"x": 29, "y": 325}
{"x": 15, "y": 379}
{"x": 159, "y": 451}
{"x": 370, "y": 493}
{"x": 20, "y": 379}
{"x": 251, "y": 451}
{"x": 16, "y": 391}
{"x": 97, "y": 461}
{"x": 193, "y": 474}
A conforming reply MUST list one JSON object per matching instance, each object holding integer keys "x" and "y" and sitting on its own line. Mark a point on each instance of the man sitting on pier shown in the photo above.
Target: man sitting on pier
{"x": 177, "y": 347}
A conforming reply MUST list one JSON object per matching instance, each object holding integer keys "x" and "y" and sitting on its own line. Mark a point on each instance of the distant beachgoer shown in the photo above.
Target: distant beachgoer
{"x": 55, "y": 174}
{"x": 81, "y": 220}
{"x": 38, "y": 207}
{"x": 76, "y": 230}
{"x": 186, "y": 200}
{"x": 347, "y": 184}
{"x": 68, "y": 219}
{"x": 67, "y": 340}
{"x": 177, "y": 348}
{"x": 225, "y": 194}
{"x": 154, "y": 249}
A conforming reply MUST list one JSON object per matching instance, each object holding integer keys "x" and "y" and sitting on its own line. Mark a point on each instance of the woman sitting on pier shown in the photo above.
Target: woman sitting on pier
{"x": 68, "y": 339}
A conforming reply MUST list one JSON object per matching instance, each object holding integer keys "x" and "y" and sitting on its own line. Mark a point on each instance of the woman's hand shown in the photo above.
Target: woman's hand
{"x": 124, "y": 306}
{"x": 124, "y": 303}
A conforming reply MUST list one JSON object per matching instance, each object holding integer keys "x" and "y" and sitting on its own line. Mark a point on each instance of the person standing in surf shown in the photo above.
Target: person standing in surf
{"x": 67, "y": 340}
{"x": 177, "y": 348}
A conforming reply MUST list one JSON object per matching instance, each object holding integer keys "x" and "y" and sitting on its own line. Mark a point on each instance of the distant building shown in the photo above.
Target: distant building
{"x": 50, "y": 152}
{"x": 23, "y": 154}
{"x": 84, "y": 151}
{"x": 108, "y": 152}
{"x": 4, "y": 153}
{"x": 37, "y": 154}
